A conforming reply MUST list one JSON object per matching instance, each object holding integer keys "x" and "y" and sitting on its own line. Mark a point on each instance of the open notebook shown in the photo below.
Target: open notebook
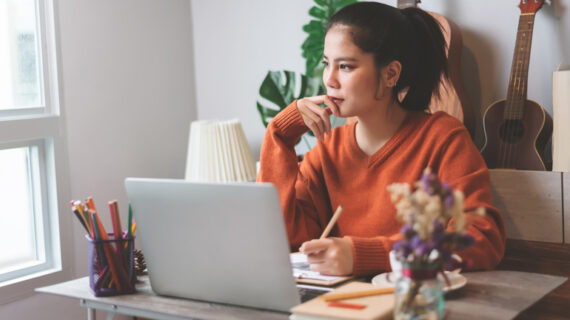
{"x": 303, "y": 273}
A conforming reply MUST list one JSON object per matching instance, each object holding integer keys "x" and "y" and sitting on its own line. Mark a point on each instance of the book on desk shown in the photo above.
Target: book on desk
{"x": 378, "y": 306}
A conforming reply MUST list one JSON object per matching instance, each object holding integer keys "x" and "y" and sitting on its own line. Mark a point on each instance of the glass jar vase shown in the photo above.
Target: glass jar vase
{"x": 418, "y": 296}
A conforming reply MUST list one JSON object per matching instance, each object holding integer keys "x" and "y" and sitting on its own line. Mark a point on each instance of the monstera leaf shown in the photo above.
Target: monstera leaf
{"x": 279, "y": 88}
{"x": 314, "y": 43}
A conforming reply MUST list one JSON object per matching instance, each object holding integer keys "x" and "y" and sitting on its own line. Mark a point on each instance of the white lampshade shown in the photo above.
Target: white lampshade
{"x": 218, "y": 152}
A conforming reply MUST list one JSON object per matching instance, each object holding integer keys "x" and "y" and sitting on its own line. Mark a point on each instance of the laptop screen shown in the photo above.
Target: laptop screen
{"x": 215, "y": 242}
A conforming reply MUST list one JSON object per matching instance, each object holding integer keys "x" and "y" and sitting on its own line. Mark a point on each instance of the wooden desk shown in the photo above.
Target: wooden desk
{"x": 144, "y": 303}
{"x": 545, "y": 258}
{"x": 489, "y": 295}
{"x": 484, "y": 291}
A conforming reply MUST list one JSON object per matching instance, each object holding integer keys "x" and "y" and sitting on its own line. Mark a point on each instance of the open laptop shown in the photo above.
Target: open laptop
{"x": 222, "y": 243}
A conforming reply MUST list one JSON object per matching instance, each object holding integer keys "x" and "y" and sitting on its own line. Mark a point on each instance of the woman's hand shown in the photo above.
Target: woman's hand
{"x": 315, "y": 117}
{"x": 330, "y": 256}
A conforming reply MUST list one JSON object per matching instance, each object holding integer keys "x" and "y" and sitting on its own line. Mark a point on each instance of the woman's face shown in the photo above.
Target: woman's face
{"x": 350, "y": 75}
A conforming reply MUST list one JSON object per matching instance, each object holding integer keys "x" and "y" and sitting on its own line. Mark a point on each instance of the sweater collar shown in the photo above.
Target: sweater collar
{"x": 407, "y": 127}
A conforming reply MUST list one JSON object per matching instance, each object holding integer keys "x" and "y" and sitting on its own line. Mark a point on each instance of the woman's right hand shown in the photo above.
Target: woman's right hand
{"x": 315, "y": 117}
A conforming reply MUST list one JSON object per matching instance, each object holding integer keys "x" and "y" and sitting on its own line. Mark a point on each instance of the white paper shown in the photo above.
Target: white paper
{"x": 301, "y": 268}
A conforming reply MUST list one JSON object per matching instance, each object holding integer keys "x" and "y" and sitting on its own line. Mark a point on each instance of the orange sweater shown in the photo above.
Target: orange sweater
{"x": 337, "y": 172}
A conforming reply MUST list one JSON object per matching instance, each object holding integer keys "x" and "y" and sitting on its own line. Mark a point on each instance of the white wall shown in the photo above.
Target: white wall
{"x": 128, "y": 97}
{"x": 237, "y": 42}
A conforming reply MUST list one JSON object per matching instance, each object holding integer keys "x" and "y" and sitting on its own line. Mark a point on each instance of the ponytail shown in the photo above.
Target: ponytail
{"x": 410, "y": 36}
{"x": 429, "y": 60}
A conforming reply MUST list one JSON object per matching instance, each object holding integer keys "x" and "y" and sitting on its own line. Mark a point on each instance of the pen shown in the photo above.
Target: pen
{"x": 331, "y": 223}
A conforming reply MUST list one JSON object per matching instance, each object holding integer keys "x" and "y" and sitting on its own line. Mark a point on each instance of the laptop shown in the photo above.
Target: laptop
{"x": 223, "y": 243}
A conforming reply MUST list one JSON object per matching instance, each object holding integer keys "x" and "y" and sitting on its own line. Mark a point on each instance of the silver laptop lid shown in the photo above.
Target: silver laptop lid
{"x": 215, "y": 242}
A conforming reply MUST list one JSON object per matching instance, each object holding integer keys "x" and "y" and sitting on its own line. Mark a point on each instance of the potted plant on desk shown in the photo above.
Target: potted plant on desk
{"x": 426, "y": 249}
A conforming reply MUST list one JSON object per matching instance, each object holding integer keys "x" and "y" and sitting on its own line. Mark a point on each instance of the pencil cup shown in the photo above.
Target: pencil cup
{"x": 111, "y": 266}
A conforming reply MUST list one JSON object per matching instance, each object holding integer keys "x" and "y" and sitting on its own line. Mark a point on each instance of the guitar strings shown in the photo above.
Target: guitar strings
{"x": 513, "y": 115}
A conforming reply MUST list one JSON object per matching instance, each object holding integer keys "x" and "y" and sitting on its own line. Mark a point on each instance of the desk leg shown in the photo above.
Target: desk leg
{"x": 91, "y": 315}
{"x": 110, "y": 315}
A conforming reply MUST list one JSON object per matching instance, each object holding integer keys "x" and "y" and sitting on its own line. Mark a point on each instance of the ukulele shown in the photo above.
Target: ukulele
{"x": 516, "y": 129}
{"x": 452, "y": 95}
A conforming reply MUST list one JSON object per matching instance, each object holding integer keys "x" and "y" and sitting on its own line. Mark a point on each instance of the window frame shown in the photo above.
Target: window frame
{"x": 44, "y": 127}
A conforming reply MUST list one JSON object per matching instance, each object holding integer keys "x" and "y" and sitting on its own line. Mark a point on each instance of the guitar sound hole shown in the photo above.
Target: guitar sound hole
{"x": 511, "y": 131}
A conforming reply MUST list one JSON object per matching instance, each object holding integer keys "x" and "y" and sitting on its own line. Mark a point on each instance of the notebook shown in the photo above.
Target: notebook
{"x": 375, "y": 307}
{"x": 222, "y": 243}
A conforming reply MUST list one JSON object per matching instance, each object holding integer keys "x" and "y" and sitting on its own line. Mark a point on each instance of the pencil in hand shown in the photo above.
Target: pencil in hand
{"x": 331, "y": 223}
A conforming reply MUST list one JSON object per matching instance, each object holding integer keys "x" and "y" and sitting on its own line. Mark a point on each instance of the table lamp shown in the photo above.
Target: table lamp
{"x": 218, "y": 152}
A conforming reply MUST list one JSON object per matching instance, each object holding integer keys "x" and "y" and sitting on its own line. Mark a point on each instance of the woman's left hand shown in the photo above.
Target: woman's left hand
{"x": 330, "y": 256}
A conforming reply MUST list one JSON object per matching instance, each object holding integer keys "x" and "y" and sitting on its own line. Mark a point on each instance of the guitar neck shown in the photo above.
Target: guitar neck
{"x": 517, "y": 91}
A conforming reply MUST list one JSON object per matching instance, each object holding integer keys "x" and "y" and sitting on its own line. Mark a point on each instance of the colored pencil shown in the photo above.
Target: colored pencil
{"x": 130, "y": 222}
{"x": 115, "y": 219}
{"x": 117, "y": 230}
{"x": 356, "y": 294}
{"x": 102, "y": 261}
{"x": 116, "y": 271}
{"x": 80, "y": 218}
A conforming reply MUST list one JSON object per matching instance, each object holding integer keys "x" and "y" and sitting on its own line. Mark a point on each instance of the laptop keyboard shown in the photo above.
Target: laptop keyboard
{"x": 307, "y": 294}
{"x": 301, "y": 266}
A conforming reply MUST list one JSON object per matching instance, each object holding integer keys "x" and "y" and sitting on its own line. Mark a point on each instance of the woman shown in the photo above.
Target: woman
{"x": 382, "y": 66}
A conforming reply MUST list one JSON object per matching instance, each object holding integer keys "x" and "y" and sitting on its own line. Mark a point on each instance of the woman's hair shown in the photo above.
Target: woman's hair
{"x": 410, "y": 36}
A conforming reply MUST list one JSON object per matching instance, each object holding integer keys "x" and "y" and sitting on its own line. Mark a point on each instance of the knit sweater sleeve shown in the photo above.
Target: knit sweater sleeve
{"x": 370, "y": 254}
{"x": 463, "y": 167}
{"x": 302, "y": 196}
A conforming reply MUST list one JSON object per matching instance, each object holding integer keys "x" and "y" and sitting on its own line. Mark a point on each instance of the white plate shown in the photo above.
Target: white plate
{"x": 389, "y": 280}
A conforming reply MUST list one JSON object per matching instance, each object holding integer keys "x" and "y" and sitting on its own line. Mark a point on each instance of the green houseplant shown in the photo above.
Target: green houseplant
{"x": 279, "y": 87}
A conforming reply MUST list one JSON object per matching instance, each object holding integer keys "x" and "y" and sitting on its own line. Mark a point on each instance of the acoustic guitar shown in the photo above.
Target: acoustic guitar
{"x": 452, "y": 95}
{"x": 517, "y": 130}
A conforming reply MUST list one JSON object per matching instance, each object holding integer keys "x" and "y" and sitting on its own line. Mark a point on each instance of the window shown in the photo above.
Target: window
{"x": 33, "y": 182}
{"x": 20, "y": 55}
{"x": 20, "y": 211}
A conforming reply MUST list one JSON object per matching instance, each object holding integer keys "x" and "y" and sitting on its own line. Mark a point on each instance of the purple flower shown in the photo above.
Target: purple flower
{"x": 438, "y": 232}
{"x": 402, "y": 247}
{"x": 447, "y": 195}
{"x": 430, "y": 183}
{"x": 408, "y": 231}
{"x": 423, "y": 249}
{"x": 418, "y": 244}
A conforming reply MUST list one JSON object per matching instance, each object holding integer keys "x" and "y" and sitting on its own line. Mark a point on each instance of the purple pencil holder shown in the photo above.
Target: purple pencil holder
{"x": 111, "y": 266}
